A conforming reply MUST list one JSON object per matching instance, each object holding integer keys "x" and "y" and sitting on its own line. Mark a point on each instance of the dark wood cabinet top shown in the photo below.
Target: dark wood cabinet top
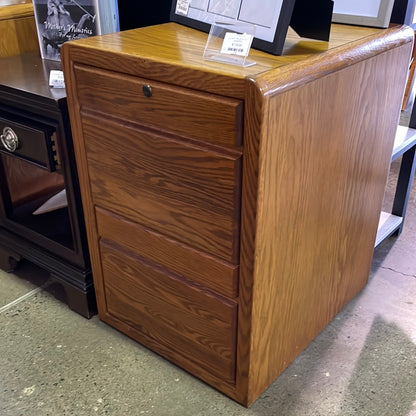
{"x": 29, "y": 74}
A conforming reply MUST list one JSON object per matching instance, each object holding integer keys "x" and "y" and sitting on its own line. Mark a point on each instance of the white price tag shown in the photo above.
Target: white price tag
{"x": 182, "y": 7}
{"x": 236, "y": 44}
{"x": 56, "y": 79}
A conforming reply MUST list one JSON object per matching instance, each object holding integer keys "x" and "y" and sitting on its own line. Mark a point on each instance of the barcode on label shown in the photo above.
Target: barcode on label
{"x": 235, "y": 50}
{"x": 236, "y": 43}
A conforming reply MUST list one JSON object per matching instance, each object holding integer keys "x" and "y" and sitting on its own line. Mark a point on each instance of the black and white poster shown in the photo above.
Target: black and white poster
{"x": 59, "y": 21}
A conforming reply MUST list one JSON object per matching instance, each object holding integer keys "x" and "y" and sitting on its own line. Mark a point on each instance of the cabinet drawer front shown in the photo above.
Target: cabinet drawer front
{"x": 178, "y": 258}
{"x": 197, "y": 326}
{"x": 185, "y": 192}
{"x": 201, "y": 116}
{"x": 28, "y": 140}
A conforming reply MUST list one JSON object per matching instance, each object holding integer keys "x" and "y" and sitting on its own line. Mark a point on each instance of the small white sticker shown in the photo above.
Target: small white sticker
{"x": 236, "y": 44}
{"x": 56, "y": 79}
{"x": 182, "y": 7}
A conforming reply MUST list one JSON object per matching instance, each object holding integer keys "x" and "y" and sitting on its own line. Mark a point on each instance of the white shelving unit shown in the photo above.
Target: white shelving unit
{"x": 404, "y": 145}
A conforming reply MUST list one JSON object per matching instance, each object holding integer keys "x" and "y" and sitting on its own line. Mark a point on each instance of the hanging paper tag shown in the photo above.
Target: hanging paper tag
{"x": 56, "y": 79}
{"x": 182, "y": 7}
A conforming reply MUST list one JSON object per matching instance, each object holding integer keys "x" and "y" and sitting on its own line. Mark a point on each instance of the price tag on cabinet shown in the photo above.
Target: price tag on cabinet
{"x": 236, "y": 43}
{"x": 56, "y": 79}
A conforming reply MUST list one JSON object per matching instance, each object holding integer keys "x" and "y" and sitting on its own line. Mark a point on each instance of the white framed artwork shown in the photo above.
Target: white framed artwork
{"x": 375, "y": 13}
{"x": 271, "y": 18}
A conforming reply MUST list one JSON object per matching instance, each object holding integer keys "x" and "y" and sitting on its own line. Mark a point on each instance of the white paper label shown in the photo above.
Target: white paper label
{"x": 236, "y": 44}
{"x": 182, "y": 7}
{"x": 56, "y": 79}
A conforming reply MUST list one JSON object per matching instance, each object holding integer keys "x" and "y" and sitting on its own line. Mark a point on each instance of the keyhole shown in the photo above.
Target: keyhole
{"x": 147, "y": 90}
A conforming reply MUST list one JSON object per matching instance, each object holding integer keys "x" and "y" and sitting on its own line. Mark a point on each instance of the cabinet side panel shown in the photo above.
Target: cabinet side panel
{"x": 254, "y": 113}
{"x": 322, "y": 173}
{"x": 74, "y": 108}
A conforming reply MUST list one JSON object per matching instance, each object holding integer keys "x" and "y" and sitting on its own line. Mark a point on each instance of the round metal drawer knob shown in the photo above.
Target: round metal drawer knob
{"x": 9, "y": 139}
{"x": 147, "y": 90}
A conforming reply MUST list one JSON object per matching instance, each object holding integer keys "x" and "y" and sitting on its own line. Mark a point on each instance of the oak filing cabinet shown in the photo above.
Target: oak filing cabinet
{"x": 231, "y": 212}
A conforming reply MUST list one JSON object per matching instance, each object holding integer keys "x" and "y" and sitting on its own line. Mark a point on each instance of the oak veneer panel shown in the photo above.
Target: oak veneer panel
{"x": 204, "y": 117}
{"x": 181, "y": 190}
{"x": 180, "y": 259}
{"x": 309, "y": 188}
{"x": 18, "y": 30}
{"x": 322, "y": 176}
{"x": 196, "y": 324}
{"x": 173, "y": 54}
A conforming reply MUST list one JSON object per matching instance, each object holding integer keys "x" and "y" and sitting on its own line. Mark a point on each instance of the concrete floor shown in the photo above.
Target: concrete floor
{"x": 54, "y": 362}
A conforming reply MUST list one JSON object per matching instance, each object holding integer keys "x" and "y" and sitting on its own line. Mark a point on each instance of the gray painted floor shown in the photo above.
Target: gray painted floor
{"x": 55, "y": 362}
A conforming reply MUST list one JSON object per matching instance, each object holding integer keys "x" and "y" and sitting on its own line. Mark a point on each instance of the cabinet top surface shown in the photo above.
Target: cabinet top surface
{"x": 173, "y": 54}
{"x": 29, "y": 74}
{"x": 175, "y": 44}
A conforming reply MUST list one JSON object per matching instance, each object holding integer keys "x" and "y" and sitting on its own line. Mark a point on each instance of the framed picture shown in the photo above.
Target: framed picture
{"x": 375, "y": 13}
{"x": 271, "y": 19}
{"x": 58, "y": 21}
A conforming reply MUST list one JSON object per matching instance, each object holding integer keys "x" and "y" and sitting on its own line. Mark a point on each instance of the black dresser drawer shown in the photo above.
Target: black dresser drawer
{"x": 28, "y": 139}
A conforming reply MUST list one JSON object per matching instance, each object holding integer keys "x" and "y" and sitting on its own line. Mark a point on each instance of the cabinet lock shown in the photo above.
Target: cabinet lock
{"x": 9, "y": 139}
{"x": 147, "y": 90}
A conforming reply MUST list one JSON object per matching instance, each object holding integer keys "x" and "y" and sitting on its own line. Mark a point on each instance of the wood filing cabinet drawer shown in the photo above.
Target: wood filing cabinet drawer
{"x": 181, "y": 260}
{"x": 201, "y": 116}
{"x": 196, "y": 327}
{"x": 186, "y": 192}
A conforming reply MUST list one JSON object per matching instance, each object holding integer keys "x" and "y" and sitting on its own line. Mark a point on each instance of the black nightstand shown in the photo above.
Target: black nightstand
{"x": 37, "y": 167}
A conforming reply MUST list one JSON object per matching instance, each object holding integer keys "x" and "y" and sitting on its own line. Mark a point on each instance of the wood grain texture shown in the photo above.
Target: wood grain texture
{"x": 186, "y": 192}
{"x": 284, "y": 78}
{"x": 18, "y": 30}
{"x": 318, "y": 131}
{"x": 321, "y": 183}
{"x": 173, "y": 54}
{"x": 253, "y": 120}
{"x": 197, "y": 325}
{"x": 204, "y": 117}
{"x": 179, "y": 259}
{"x": 84, "y": 186}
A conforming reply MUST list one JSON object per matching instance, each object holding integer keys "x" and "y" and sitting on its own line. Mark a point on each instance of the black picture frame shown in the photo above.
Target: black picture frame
{"x": 274, "y": 47}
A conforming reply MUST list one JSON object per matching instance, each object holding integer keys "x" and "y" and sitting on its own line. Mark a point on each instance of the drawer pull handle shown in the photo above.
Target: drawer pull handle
{"x": 147, "y": 90}
{"x": 9, "y": 139}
